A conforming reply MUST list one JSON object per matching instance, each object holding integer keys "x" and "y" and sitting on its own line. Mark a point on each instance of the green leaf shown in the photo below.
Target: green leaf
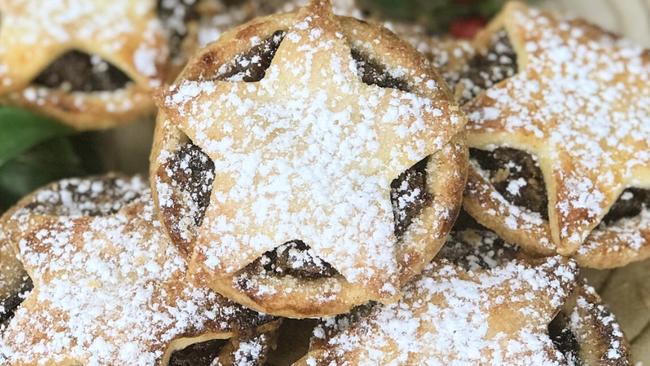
{"x": 21, "y": 130}
{"x": 47, "y": 162}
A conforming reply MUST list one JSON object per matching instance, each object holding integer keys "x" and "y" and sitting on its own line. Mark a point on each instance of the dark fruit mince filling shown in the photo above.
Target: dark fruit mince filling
{"x": 629, "y": 204}
{"x": 9, "y": 306}
{"x": 96, "y": 198}
{"x": 472, "y": 246}
{"x": 372, "y": 73}
{"x": 198, "y": 354}
{"x": 465, "y": 221}
{"x": 292, "y": 259}
{"x": 174, "y": 15}
{"x": 409, "y": 195}
{"x": 193, "y": 173}
{"x": 78, "y": 71}
{"x": 516, "y": 175}
{"x": 251, "y": 66}
{"x": 563, "y": 338}
{"x": 498, "y": 63}
{"x": 189, "y": 172}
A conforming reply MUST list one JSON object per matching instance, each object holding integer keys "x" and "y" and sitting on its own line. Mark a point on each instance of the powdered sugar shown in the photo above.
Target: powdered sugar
{"x": 580, "y": 103}
{"x": 308, "y": 153}
{"x": 628, "y": 234}
{"x": 110, "y": 289}
{"x": 495, "y": 315}
{"x": 589, "y": 314}
{"x": 230, "y": 15}
{"x": 104, "y": 28}
{"x": 514, "y": 217}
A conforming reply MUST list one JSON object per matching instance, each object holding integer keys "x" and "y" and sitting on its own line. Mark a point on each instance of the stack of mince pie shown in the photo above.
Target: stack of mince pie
{"x": 425, "y": 208}
{"x": 95, "y": 64}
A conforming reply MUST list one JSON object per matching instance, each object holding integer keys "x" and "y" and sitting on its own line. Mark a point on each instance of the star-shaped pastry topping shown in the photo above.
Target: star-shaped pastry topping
{"x": 453, "y": 316}
{"x": 33, "y": 33}
{"x": 308, "y": 153}
{"x": 109, "y": 287}
{"x": 581, "y": 104}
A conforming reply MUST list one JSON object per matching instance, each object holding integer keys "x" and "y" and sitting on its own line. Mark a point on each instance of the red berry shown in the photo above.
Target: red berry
{"x": 467, "y": 27}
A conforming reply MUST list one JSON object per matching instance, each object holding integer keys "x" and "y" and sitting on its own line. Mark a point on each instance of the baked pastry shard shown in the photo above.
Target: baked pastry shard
{"x": 110, "y": 289}
{"x": 308, "y": 163}
{"x": 559, "y": 135}
{"x": 478, "y": 303}
{"x": 90, "y": 64}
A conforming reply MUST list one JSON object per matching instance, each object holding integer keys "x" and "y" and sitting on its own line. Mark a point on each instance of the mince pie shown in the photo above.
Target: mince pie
{"x": 110, "y": 289}
{"x": 479, "y": 303}
{"x": 306, "y": 163}
{"x": 91, "y": 64}
{"x": 559, "y": 137}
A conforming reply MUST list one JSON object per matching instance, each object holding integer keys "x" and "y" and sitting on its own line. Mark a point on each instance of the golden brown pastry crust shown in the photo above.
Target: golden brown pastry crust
{"x": 453, "y": 315}
{"x": 85, "y": 111}
{"x": 293, "y": 297}
{"x": 215, "y": 17}
{"x": 125, "y": 33}
{"x": 109, "y": 288}
{"x": 492, "y": 210}
{"x": 577, "y": 104}
{"x": 599, "y": 337}
{"x": 479, "y": 303}
{"x": 617, "y": 244}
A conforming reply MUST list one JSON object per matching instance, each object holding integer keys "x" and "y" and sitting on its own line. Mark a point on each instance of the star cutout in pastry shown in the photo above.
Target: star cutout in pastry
{"x": 452, "y": 315}
{"x": 308, "y": 153}
{"x": 109, "y": 287}
{"x": 33, "y": 33}
{"x": 581, "y": 104}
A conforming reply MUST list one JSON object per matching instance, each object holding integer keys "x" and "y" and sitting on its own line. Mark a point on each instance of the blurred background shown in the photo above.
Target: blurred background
{"x": 35, "y": 150}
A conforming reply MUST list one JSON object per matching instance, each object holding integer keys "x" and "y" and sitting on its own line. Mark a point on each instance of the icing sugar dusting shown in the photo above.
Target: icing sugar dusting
{"x": 627, "y": 235}
{"x": 589, "y": 314}
{"x": 497, "y": 315}
{"x": 581, "y": 102}
{"x": 212, "y": 27}
{"x": 308, "y": 153}
{"x": 512, "y": 216}
{"x": 109, "y": 289}
{"x": 126, "y": 32}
